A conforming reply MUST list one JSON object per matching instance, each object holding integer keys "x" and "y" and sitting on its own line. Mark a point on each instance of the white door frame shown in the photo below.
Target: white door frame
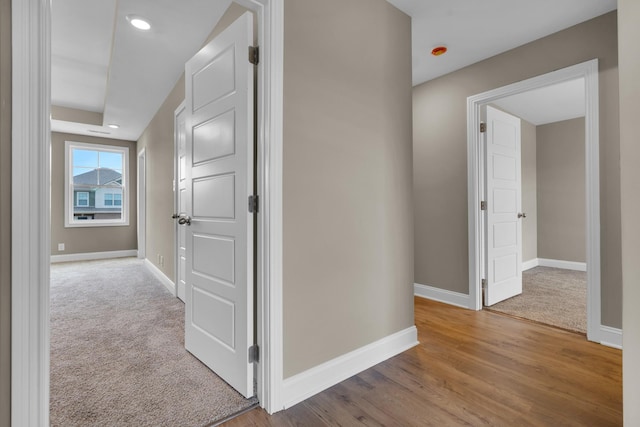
{"x": 31, "y": 93}
{"x": 176, "y": 191}
{"x": 141, "y": 211}
{"x": 475, "y": 170}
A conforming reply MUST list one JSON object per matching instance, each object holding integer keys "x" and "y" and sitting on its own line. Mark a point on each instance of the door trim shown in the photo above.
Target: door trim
{"x": 475, "y": 170}
{"x": 142, "y": 203}
{"x": 30, "y": 251}
{"x": 176, "y": 188}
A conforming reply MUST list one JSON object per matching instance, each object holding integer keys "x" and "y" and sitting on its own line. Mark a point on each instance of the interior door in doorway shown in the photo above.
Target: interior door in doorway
{"x": 503, "y": 219}
{"x": 180, "y": 188}
{"x": 219, "y": 105}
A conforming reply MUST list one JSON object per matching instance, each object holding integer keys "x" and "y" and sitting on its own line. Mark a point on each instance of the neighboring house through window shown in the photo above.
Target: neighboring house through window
{"x": 96, "y": 178}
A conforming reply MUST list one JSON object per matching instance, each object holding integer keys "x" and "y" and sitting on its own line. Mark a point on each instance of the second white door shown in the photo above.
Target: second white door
{"x": 180, "y": 187}
{"x": 503, "y": 219}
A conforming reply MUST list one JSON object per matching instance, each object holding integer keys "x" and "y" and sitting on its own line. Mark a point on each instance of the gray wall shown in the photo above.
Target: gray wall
{"x": 440, "y": 156}
{"x": 157, "y": 139}
{"x": 347, "y": 178}
{"x": 629, "y": 17}
{"x": 348, "y": 227}
{"x": 5, "y": 213}
{"x": 561, "y": 191}
{"x": 529, "y": 191}
{"x": 89, "y": 239}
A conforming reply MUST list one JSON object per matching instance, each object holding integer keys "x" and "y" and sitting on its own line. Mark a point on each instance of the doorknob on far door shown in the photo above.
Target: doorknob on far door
{"x": 184, "y": 220}
{"x": 522, "y": 215}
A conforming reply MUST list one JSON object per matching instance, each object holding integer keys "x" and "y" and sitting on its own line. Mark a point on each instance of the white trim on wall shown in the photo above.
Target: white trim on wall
{"x": 611, "y": 337}
{"x": 319, "y": 378}
{"x": 141, "y": 211}
{"x": 532, "y": 263}
{"x": 270, "y": 14}
{"x": 589, "y": 72}
{"x": 442, "y": 295}
{"x": 91, "y": 256}
{"x": 565, "y": 265}
{"x": 30, "y": 219}
{"x": 31, "y": 72}
{"x": 555, "y": 263}
{"x": 168, "y": 283}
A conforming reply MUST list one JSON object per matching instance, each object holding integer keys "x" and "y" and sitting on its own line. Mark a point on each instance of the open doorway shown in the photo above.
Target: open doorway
{"x": 552, "y": 214}
{"x": 584, "y": 75}
{"x": 100, "y": 202}
{"x": 31, "y": 256}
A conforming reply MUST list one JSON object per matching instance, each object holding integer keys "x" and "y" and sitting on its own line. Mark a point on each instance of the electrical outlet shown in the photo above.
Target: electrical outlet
{"x": 61, "y": 246}
{"x": 161, "y": 261}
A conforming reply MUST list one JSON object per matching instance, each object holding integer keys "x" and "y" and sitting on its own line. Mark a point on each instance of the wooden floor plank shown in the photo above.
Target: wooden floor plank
{"x": 472, "y": 368}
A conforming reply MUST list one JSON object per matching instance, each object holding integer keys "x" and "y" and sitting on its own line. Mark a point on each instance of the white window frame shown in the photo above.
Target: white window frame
{"x": 69, "y": 202}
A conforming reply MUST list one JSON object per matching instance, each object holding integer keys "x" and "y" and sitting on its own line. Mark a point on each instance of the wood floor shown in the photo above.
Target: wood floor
{"x": 475, "y": 369}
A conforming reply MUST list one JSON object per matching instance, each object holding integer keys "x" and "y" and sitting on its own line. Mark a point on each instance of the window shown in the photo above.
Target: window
{"x": 96, "y": 178}
{"x": 112, "y": 199}
{"x": 82, "y": 198}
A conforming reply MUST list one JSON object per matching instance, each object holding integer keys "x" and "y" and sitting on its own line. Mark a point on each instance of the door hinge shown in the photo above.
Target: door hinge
{"x": 483, "y": 127}
{"x": 483, "y": 205}
{"x": 484, "y": 282}
{"x": 254, "y": 354}
{"x": 254, "y": 55}
{"x": 254, "y": 204}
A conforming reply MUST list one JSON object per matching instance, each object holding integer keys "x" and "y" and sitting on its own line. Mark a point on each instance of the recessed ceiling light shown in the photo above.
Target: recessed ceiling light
{"x": 139, "y": 22}
{"x": 439, "y": 50}
{"x": 113, "y": 126}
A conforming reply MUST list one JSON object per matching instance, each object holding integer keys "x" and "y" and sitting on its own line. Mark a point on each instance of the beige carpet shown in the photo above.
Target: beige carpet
{"x": 117, "y": 352}
{"x": 552, "y": 296}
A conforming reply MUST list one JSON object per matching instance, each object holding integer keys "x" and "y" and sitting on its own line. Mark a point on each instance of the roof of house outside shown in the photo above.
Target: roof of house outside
{"x": 99, "y": 176}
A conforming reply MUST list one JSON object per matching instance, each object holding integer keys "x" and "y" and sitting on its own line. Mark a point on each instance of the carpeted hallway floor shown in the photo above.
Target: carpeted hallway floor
{"x": 552, "y": 296}
{"x": 117, "y": 352}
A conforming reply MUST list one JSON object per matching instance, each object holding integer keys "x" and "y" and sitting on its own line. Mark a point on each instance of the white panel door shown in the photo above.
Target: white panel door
{"x": 219, "y": 180}
{"x": 181, "y": 200}
{"x": 504, "y": 201}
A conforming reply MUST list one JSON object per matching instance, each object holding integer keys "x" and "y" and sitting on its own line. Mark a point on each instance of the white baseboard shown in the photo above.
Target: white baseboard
{"x": 313, "y": 381}
{"x": 611, "y": 337}
{"x": 567, "y": 265}
{"x": 442, "y": 295}
{"x": 532, "y": 263}
{"x": 91, "y": 256}
{"x": 168, "y": 283}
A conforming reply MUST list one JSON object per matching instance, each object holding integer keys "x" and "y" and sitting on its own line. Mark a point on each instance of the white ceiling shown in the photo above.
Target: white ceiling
{"x": 550, "y": 104}
{"x": 101, "y": 64}
{"x": 474, "y": 30}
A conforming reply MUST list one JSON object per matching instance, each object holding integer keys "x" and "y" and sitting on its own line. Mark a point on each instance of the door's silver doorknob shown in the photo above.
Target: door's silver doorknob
{"x": 184, "y": 219}
{"x": 522, "y": 215}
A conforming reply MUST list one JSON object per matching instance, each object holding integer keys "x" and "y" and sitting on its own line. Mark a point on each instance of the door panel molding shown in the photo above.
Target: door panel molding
{"x": 475, "y": 171}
